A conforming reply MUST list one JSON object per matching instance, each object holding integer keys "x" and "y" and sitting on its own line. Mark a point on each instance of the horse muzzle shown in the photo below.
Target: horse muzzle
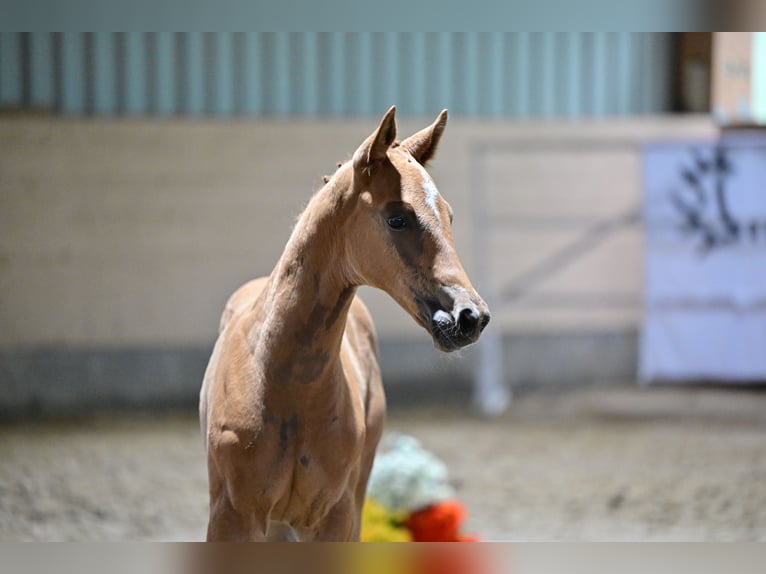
{"x": 454, "y": 318}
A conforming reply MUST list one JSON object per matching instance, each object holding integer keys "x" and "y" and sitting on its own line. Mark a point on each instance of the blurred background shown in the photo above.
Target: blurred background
{"x": 145, "y": 176}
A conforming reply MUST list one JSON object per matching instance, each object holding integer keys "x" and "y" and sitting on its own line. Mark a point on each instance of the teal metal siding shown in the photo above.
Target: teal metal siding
{"x": 337, "y": 74}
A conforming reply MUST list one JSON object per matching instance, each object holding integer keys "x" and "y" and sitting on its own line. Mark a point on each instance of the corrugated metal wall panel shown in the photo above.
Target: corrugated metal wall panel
{"x": 10, "y": 69}
{"x": 279, "y": 73}
{"x": 192, "y": 87}
{"x": 40, "y": 71}
{"x": 133, "y": 63}
{"x": 72, "y": 93}
{"x": 162, "y": 64}
{"x": 103, "y": 74}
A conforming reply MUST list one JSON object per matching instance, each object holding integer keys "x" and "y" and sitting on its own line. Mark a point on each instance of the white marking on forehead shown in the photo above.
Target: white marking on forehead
{"x": 431, "y": 192}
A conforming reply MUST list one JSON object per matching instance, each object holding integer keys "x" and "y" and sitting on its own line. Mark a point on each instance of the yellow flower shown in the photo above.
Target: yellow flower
{"x": 381, "y": 525}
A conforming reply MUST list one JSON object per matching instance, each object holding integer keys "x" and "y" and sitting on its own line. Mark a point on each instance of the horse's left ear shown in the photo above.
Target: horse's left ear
{"x": 422, "y": 145}
{"x": 375, "y": 147}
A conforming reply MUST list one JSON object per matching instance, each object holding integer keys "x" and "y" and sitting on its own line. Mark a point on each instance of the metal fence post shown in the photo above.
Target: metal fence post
{"x": 491, "y": 395}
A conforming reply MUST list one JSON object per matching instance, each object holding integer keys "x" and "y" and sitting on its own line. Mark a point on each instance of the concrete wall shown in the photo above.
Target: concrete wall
{"x": 124, "y": 238}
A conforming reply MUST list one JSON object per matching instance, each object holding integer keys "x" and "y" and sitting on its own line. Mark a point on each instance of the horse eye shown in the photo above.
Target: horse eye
{"x": 397, "y": 222}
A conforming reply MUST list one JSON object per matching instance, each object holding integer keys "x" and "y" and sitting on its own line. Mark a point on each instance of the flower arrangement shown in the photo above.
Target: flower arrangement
{"x": 409, "y": 497}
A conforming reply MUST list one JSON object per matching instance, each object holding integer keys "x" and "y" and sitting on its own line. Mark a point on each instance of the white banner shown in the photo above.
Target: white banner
{"x": 705, "y": 292}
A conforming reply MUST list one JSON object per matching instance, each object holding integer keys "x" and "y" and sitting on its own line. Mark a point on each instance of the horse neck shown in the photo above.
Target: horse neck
{"x": 308, "y": 296}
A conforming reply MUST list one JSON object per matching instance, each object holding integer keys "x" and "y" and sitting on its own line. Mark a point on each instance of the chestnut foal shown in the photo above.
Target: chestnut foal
{"x": 292, "y": 405}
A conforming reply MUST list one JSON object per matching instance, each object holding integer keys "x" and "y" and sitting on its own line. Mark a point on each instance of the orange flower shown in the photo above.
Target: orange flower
{"x": 438, "y": 523}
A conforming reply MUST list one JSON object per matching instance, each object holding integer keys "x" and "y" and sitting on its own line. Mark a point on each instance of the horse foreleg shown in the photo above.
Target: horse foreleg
{"x": 342, "y": 522}
{"x": 228, "y": 524}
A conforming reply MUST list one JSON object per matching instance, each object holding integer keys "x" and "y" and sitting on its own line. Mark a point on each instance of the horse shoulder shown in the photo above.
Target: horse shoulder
{"x": 241, "y": 298}
{"x": 230, "y": 401}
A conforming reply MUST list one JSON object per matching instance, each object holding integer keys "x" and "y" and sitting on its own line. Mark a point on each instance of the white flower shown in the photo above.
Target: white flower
{"x": 407, "y": 477}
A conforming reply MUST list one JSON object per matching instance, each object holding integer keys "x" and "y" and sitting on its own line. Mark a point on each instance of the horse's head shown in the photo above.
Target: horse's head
{"x": 401, "y": 240}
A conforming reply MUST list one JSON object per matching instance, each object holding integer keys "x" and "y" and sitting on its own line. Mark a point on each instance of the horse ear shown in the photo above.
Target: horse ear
{"x": 422, "y": 145}
{"x": 374, "y": 148}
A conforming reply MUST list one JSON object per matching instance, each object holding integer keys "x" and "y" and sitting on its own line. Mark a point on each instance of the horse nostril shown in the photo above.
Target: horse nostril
{"x": 468, "y": 320}
{"x": 484, "y": 321}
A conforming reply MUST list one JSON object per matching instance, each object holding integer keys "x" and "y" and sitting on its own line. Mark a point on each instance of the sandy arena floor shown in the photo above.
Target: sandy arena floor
{"x": 596, "y": 464}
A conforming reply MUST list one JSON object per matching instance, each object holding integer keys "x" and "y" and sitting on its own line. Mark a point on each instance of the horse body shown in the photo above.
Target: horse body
{"x": 292, "y": 405}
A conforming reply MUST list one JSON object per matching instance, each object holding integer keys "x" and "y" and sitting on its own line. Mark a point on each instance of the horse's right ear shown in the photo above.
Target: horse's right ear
{"x": 374, "y": 148}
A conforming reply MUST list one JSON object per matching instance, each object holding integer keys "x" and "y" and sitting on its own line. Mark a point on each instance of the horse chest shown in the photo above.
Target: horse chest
{"x": 316, "y": 466}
